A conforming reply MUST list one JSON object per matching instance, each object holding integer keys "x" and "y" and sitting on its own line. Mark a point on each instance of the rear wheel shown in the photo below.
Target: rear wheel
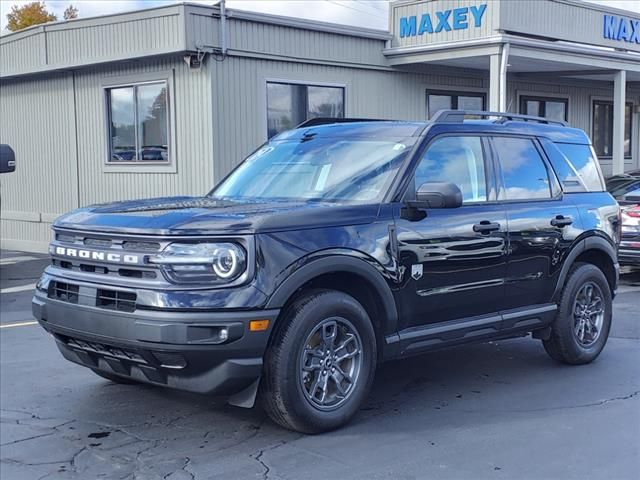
{"x": 581, "y": 328}
{"x": 320, "y": 364}
{"x": 115, "y": 378}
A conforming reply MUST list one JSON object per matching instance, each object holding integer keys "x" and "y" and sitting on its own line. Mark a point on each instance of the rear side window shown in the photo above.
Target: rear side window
{"x": 583, "y": 168}
{"x": 524, "y": 174}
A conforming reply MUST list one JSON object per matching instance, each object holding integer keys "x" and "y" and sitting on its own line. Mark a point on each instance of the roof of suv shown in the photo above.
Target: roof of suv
{"x": 509, "y": 124}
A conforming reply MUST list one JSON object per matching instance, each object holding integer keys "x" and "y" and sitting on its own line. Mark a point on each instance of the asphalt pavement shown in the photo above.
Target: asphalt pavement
{"x": 499, "y": 410}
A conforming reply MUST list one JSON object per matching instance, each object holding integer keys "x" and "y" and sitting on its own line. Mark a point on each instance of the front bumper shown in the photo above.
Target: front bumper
{"x": 178, "y": 349}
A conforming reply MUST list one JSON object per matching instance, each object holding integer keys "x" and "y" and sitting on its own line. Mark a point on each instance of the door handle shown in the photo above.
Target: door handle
{"x": 561, "y": 221}
{"x": 486, "y": 226}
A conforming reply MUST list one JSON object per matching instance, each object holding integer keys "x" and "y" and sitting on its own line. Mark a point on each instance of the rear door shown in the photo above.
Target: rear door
{"x": 539, "y": 221}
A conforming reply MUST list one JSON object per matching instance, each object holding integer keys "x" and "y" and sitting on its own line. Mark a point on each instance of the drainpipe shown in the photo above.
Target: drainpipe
{"x": 223, "y": 28}
{"x": 504, "y": 63}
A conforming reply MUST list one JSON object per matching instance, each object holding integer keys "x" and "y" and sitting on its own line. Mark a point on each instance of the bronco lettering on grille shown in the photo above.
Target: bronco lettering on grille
{"x": 97, "y": 255}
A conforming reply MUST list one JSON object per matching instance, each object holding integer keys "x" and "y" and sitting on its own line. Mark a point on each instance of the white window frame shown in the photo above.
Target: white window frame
{"x": 296, "y": 81}
{"x": 140, "y": 166}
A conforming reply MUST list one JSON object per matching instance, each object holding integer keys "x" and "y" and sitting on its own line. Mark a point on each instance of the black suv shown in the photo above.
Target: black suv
{"x": 334, "y": 247}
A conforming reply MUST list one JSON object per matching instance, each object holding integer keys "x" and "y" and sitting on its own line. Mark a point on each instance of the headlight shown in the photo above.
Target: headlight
{"x": 202, "y": 262}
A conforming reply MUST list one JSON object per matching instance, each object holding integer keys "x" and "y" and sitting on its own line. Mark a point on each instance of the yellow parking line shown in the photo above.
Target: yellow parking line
{"x": 18, "y": 324}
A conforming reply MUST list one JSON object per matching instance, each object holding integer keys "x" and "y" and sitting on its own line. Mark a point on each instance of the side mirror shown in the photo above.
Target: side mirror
{"x": 7, "y": 159}
{"x": 438, "y": 195}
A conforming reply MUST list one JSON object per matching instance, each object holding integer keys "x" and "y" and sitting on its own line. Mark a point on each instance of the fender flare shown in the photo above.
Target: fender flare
{"x": 588, "y": 243}
{"x": 334, "y": 263}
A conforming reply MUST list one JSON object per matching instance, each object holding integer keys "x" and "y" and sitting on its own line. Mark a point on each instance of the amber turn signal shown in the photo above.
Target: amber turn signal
{"x": 258, "y": 325}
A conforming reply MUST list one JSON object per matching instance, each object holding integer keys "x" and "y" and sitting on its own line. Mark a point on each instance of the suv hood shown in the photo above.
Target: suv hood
{"x": 206, "y": 216}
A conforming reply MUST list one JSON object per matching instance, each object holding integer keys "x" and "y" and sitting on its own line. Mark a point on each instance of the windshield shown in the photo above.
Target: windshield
{"x": 354, "y": 170}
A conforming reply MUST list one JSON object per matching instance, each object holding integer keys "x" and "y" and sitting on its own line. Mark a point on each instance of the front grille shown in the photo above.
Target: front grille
{"x": 64, "y": 292}
{"x": 141, "y": 246}
{"x": 86, "y": 266}
{"x": 103, "y": 270}
{"x": 97, "y": 242}
{"x": 116, "y": 300}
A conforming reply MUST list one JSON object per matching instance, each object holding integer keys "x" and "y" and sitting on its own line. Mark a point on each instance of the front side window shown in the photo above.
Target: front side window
{"x": 317, "y": 168}
{"x": 138, "y": 123}
{"x": 602, "y": 128}
{"x": 551, "y": 108}
{"x": 459, "y": 160}
{"x": 442, "y": 100}
{"x": 290, "y": 104}
{"x": 524, "y": 174}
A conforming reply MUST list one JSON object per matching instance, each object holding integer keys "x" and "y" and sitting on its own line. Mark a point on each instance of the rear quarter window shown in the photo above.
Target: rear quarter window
{"x": 576, "y": 167}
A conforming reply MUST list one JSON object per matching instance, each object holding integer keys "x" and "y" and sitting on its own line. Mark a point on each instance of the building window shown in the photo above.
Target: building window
{"x": 602, "y": 128}
{"x": 138, "y": 123}
{"x": 445, "y": 100}
{"x": 551, "y": 108}
{"x": 290, "y": 104}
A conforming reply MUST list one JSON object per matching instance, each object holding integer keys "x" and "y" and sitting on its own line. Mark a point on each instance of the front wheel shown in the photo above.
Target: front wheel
{"x": 321, "y": 363}
{"x": 581, "y": 328}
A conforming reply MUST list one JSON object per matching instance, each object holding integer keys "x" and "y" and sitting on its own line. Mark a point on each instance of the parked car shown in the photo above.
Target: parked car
{"x": 334, "y": 247}
{"x": 626, "y": 190}
{"x": 7, "y": 159}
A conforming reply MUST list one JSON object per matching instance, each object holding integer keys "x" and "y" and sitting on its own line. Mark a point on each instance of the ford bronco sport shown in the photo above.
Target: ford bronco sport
{"x": 338, "y": 245}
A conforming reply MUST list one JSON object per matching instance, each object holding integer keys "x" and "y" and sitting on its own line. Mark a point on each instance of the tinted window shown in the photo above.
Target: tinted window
{"x": 602, "y": 128}
{"x": 582, "y": 163}
{"x": 453, "y": 101}
{"x": 139, "y": 123}
{"x": 552, "y": 108}
{"x": 459, "y": 160}
{"x": 524, "y": 175}
{"x": 291, "y": 104}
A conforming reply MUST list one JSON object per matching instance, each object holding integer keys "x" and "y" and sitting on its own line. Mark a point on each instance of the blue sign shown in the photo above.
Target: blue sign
{"x": 446, "y": 20}
{"x": 622, "y": 29}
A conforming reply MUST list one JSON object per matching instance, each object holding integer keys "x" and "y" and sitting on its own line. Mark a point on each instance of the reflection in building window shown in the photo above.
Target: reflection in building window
{"x": 138, "y": 123}
{"x": 290, "y": 104}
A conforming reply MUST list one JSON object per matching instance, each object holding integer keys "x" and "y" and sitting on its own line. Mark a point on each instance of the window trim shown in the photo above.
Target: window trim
{"x": 454, "y": 94}
{"x": 296, "y": 81}
{"x": 609, "y": 100}
{"x": 108, "y": 83}
{"x": 524, "y": 97}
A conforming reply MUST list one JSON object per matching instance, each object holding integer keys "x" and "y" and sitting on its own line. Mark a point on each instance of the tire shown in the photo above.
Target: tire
{"x": 565, "y": 344}
{"x": 294, "y": 398}
{"x": 115, "y": 378}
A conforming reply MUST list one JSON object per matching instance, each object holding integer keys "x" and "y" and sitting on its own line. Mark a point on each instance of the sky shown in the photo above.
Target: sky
{"x": 363, "y": 13}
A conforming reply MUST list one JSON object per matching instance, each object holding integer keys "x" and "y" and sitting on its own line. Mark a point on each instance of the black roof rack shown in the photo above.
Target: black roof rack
{"x": 458, "y": 116}
{"x": 313, "y": 122}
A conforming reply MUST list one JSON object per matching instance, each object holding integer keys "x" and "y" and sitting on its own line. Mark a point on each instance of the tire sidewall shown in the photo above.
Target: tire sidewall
{"x": 327, "y": 304}
{"x": 565, "y": 322}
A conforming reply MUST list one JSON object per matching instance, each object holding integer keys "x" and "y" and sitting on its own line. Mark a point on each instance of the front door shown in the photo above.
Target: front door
{"x": 453, "y": 261}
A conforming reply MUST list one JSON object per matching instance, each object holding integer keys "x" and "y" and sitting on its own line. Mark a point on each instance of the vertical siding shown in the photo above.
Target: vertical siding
{"x": 192, "y": 138}
{"x": 36, "y": 119}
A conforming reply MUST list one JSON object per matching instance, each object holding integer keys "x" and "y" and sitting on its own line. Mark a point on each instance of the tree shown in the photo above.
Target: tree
{"x": 33, "y": 13}
{"x": 70, "y": 12}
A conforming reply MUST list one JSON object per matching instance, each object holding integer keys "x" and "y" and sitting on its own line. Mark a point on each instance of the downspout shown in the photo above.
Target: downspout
{"x": 504, "y": 63}
{"x": 223, "y": 28}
